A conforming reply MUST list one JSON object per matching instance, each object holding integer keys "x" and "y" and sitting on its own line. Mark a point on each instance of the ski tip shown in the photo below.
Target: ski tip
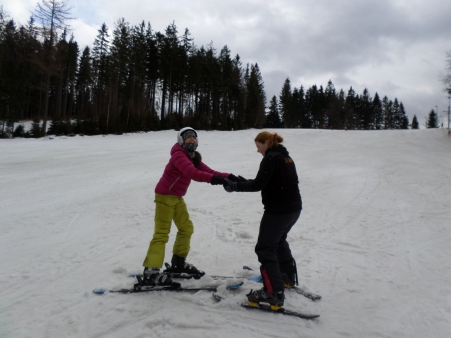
{"x": 218, "y": 297}
{"x": 256, "y": 279}
{"x": 99, "y": 291}
{"x": 234, "y": 286}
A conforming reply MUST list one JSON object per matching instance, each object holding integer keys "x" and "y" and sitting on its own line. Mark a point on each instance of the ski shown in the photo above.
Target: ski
{"x": 265, "y": 307}
{"x": 217, "y": 297}
{"x": 228, "y": 287}
{"x": 309, "y": 295}
{"x": 281, "y": 310}
{"x": 184, "y": 275}
{"x": 234, "y": 286}
{"x": 140, "y": 288}
{"x": 256, "y": 279}
{"x": 215, "y": 277}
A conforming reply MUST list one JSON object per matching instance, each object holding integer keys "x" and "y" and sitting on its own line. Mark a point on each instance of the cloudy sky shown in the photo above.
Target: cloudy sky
{"x": 396, "y": 48}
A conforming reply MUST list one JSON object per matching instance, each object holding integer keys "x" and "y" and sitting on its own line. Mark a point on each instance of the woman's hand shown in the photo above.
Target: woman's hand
{"x": 234, "y": 178}
{"x": 217, "y": 180}
{"x": 230, "y": 186}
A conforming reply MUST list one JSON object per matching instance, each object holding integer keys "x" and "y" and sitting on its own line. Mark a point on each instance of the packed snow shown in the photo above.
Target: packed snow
{"x": 374, "y": 237}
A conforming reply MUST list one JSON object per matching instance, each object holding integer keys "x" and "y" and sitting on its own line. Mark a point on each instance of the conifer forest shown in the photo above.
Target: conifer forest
{"x": 137, "y": 79}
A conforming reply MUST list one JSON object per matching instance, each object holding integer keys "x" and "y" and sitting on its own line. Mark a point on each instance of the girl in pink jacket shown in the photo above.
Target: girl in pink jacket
{"x": 184, "y": 165}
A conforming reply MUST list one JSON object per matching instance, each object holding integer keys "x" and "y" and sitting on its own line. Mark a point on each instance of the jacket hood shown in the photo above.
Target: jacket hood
{"x": 177, "y": 147}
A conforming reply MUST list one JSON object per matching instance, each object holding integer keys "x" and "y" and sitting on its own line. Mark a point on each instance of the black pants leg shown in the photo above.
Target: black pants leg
{"x": 273, "y": 250}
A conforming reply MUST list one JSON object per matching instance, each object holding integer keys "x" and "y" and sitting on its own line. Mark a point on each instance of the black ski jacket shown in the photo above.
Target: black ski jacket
{"x": 278, "y": 181}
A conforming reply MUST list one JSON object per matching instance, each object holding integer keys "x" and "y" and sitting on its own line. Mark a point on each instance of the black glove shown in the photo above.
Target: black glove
{"x": 233, "y": 178}
{"x": 216, "y": 180}
{"x": 230, "y": 186}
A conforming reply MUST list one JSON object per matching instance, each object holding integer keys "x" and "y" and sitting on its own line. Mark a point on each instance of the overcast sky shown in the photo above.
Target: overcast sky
{"x": 396, "y": 48}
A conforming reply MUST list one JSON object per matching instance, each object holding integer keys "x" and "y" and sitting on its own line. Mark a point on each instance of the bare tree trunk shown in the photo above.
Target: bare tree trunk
{"x": 163, "y": 103}
{"x": 59, "y": 99}
{"x": 108, "y": 112}
{"x": 46, "y": 104}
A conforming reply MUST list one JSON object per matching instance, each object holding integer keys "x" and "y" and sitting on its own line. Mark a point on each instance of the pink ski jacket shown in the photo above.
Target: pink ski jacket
{"x": 180, "y": 171}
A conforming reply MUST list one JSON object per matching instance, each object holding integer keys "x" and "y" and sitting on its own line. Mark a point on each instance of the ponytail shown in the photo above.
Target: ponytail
{"x": 273, "y": 139}
{"x": 197, "y": 159}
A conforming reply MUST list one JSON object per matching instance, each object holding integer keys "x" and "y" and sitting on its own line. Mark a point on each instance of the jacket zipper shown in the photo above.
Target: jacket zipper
{"x": 173, "y": 183}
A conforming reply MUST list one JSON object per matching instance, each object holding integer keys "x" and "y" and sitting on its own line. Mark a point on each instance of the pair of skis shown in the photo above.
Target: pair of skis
{"x": 176, "y": 287}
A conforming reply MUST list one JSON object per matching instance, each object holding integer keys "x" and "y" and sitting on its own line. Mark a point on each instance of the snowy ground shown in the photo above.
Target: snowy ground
{"x": 373, "y": 238}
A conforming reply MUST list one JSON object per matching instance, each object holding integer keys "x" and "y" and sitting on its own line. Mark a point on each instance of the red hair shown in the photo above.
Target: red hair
{"x": 273, "y": 139}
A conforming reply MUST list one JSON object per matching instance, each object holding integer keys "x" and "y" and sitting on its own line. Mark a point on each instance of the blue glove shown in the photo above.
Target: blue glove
{"x": 230, "y": 186}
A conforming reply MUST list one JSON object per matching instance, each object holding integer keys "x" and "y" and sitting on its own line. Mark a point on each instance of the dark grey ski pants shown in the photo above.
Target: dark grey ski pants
{"x": 273, "y": 250}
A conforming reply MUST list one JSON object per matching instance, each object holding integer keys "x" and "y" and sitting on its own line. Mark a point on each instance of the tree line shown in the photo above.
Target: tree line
{"x": 134, "y": 79}
{"x": 319, "y": 107}
{"x": 139, "y": 79}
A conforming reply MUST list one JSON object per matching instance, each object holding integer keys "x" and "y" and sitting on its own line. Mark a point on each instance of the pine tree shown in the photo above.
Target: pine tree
{"x": 255, "y": 99}
{"x": 397, "y": 115}
{"x": 350, "y": 109}
{"x": 432, "y": 121}
{"x": 286, "y": 104}
{"x": 415, "y": 124}
{"x": 403, "y": 117}
{"x": 226, "y": 87}
{"x": 118, "y": 110}
{"x": 84, "y": 86}
{"x": 366, "y": 111}
{"x": 11, "y": 74}
{"x": 273, "y": 117}
{"x": 387, "y": 108}
{"x": 238, "y": 92}
{"x": 100, "y": 75}
{"x": 333, "y": 105}
{"x": 378, "y": 113}
{"x": 297, "y": 107}
{"x": 320, "y": 110}
{"x": 53, "y": 15}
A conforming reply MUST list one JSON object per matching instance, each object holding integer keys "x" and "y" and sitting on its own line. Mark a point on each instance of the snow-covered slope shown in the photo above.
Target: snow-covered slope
{"x": 373, "y": 238}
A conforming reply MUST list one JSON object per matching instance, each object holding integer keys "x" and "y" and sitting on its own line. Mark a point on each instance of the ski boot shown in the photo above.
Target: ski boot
{"x": 274, "y": 299}
{"x": 153, "y": 277}
{"x": 180, "y": 268}
{"x": 289, "y": 280}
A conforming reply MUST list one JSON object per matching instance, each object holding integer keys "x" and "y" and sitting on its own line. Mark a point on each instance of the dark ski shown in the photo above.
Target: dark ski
{"x": 218, "y": 297}
{"x": 309, "y": 295}
{"x": 184, "y": 275}
{"x": 267, "y": 308}
{"x": 140, "y": 288}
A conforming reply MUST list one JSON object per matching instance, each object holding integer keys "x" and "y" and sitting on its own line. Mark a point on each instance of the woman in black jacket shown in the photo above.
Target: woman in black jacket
{"x": 278, "y": 182}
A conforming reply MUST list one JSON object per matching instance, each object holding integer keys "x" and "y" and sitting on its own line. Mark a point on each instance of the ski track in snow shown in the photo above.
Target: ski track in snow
{"x": 373, "y": 237}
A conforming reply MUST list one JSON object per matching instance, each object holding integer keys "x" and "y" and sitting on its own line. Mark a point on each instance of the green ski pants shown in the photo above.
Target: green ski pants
{"x": 169, "y": 208}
